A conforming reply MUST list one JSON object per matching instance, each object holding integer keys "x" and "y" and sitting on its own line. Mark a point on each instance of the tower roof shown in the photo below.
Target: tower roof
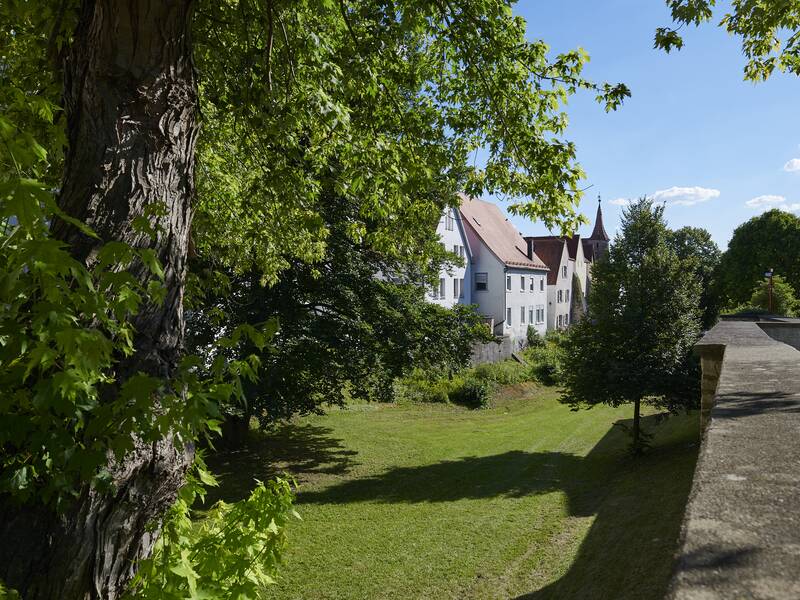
{"x": 599, "y": 232}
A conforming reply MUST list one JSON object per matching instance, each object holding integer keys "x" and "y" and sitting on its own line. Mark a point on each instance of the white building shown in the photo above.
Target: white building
{"x": 453, "y": 287}
{"x": 554, "y": 253}
{"x": 508, "y": 278}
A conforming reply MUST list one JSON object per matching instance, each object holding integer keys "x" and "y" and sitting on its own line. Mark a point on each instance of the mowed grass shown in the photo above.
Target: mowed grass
{"x": 526, "y": 499}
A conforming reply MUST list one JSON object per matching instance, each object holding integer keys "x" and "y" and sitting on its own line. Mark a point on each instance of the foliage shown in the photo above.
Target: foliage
{"x": 694, "y": 246}
{"x": 384, "y": 104}
{"x": 533, "y": 338}
{"x": 784, "y": 298}
{"x": 505, "y": 372}
{"x": 768, "y": 241}
{"x": 472, "y": 393}
{"x": 636, "y": 344}
{"x": 545, "y": 363}
{"x": 423, "y": 386}
{"x": 770, "y": 31}
{"x": 233, "y": 551}
{"x": 349, "y": 324}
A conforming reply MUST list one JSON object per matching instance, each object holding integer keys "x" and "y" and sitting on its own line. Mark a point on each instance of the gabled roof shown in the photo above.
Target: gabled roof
{"x": 572, "y": 246}
{"x": 498, "y": 234}
{"x": 588, "y": 252}
{"x": 550, "y": 249}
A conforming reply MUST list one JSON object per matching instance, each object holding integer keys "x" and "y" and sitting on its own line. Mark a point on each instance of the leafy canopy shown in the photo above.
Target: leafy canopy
{"x": 769, "y": 241}
{"x": 635, "y": 344}
{"x": 769, "y": 30}
{"x": 695, "y": 246}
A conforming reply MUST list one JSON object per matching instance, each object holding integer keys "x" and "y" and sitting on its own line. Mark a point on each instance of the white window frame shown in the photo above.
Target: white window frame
{"x": 455, "y": 287}
{"x": 508, "y": 317}
{"x": 485, "y": 282}
{"x": 442, "y": 288}
{"x": 541, "y": 284}
{"x": 522, "y": 315}
{"x": 508, "y": 283}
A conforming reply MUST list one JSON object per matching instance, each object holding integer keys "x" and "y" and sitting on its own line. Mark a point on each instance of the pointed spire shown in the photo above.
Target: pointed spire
{"x": 599, "y": 232}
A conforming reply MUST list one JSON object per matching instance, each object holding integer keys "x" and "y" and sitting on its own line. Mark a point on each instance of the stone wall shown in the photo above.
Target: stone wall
{"x": 741, "y": 531}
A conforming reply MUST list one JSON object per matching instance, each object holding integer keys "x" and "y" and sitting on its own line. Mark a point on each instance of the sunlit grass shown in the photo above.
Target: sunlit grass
{"x": 435, "y": 501}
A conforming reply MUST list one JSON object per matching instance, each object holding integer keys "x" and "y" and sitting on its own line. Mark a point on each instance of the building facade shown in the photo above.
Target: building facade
{"x": 554, "y": 253}
{"x": 454, "y": 280}
{"x": 508, "y": 278}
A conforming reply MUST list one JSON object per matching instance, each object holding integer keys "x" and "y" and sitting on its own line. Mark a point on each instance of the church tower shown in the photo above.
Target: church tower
{"x": 599, "y": 240}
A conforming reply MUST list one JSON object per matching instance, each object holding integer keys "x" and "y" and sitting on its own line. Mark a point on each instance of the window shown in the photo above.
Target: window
{"x": 442, "y": 289}
{"x": 461, "y": 252}
{"x": 533, "y": 279}
{"x": 564, "y": 271}
{"x": 560, "y": 296}
{"x": 559, "y": 320}
{"x": 530, "y": 315}
{"x": 508, "y": 317}
{"x": 508, "y": 282}
{"x": 541, "y": 284}
{"x": 448, "y": 220}
{"x": 455, "y": 288}
{"x": 522, "y": 314}
{"x": 522, "y": 282}
{"x": 566, "y": 296}
{"x": 566, "y": 320}
{"x": 460, "y": 288}
{"x": 481, "y": 282}
{"x": 540, "y": 313}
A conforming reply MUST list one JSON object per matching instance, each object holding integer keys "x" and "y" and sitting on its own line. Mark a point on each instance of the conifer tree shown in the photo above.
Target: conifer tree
{"x": 635, "y": 346}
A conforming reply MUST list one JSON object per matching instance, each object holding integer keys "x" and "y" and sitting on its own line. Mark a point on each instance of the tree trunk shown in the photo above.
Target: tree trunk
{"x": 637, "y": 446}
{"x": 130, "y": 98}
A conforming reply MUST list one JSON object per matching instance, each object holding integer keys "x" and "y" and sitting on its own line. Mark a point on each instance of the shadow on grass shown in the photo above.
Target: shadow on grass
{"x": 628, "y": 552}
{"x": 303, "y": 451}
{"x": 637, "y": 503}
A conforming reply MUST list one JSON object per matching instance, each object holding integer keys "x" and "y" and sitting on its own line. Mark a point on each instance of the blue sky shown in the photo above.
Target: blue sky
{"x": 692, "y": 121}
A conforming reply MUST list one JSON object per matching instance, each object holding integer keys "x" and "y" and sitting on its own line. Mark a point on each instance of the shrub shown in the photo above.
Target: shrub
{"x": 545, "y": 364}
{"x": 506, "y": 372}
{"x": 472, "y": 392}
{"x": 534, "y": 339}
{"x": 421, "y": 386}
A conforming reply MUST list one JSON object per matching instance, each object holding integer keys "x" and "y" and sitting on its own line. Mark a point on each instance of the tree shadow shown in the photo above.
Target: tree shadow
{"x": 304, "y": 451}
{"x": 629, "y": 550}
{"x": 740, "y": 404}
{"x": 631, "y": 499}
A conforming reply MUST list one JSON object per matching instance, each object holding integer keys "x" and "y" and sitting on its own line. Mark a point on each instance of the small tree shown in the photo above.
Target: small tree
{"x": 643, "y": 319}
{"x": 784, "y": 298}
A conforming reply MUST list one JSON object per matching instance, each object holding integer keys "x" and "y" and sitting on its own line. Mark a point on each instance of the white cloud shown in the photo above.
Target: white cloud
{"x": 686, "y": 196}
{"x": 770, "y": 201}
{"x": 765, "y": 201}
{"x": 620, "y": 201}
{"x": 792, "y": 166}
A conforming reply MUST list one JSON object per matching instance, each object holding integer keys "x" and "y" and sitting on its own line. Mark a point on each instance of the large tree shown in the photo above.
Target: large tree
{"x": 694, "y": 245}
{"x": 635, "y": 346}
{"x": 393, "y": 97}
{"x": 350, "y": 324}
{"x": 768, "y": 241}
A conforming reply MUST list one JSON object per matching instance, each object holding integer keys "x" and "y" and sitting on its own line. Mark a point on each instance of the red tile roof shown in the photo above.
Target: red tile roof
{"x": 498, "y": 233}
{"x": 550, "y": 249}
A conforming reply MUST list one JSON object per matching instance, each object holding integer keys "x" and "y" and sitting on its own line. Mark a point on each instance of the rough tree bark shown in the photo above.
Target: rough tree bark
{"x": 130, "y": 98}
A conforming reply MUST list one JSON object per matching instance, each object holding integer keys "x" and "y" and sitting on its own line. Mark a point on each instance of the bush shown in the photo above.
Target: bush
{"x": 545, "y": 364}
{"x": 506, "y": 372}
{"x": 472, "y": 393}
{"x": 421, "y": 386}
{"x": 534, "y": 339}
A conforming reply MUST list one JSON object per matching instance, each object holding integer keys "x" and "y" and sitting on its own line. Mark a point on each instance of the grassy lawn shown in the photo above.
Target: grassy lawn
{"x": 523, "y": 500}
